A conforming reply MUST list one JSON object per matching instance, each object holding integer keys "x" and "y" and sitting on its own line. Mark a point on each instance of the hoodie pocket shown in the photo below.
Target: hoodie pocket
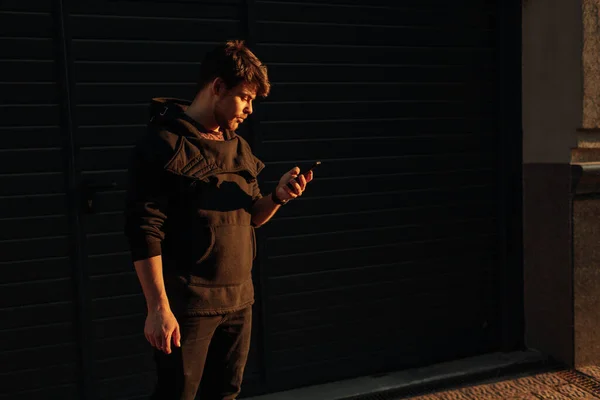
{"x": 229, "y": 259}
{"x": 211, "y": 244}
{"x": 191, "y": 246}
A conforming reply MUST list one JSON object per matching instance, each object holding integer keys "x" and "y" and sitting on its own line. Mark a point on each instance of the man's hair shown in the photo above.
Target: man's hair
{"x": 234, "y": 63}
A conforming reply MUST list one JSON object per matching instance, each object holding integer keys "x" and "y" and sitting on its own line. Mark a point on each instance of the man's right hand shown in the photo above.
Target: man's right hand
{"x": 161, "y": 328}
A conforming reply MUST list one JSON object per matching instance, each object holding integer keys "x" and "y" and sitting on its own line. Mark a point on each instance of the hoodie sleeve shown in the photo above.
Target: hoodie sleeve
{"x": 146, "y": 202}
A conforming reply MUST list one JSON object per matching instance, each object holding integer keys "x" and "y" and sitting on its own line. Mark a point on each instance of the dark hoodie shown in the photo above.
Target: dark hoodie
{"x": 189, "y": 200}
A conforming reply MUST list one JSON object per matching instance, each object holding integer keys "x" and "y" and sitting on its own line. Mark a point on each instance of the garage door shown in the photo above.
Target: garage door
{"x": 124, "y": 54}
{"x": 38, "y": 333}
{"x": 389, "y": 260}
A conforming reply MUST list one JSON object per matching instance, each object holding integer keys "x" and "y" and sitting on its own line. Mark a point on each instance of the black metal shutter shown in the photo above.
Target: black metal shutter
{"x": 125, "y": 53}
{"x": 386, "y": 262}
{"x": 38, "y": 348}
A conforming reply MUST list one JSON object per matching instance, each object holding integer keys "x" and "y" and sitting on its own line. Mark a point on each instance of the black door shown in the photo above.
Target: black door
{"x": 123, "y": 54}
{"x": 38, "y": 302}
{"x": 394, "y": 257}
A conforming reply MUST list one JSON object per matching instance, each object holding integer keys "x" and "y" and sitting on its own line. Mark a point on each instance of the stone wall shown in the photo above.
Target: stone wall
{"x": 591, "y": 64}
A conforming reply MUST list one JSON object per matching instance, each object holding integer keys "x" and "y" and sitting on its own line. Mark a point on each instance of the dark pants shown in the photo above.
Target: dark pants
{"x": 211, "y": 360}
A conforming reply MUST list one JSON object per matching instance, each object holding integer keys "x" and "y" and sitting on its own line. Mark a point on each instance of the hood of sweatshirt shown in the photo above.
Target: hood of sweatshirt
{"x": 230, "y": 155}
{"x": 170, "y": 112}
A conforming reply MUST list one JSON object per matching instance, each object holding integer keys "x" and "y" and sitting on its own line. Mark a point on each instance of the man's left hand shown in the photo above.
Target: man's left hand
{"x": 292, "y": 184}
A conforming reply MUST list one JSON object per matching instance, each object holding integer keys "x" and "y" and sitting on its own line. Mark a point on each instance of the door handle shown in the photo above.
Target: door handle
{"x": 88, "y": 193}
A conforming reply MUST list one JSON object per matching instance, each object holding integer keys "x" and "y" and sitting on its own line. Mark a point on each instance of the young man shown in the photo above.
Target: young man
{"x": 193, "y": 203}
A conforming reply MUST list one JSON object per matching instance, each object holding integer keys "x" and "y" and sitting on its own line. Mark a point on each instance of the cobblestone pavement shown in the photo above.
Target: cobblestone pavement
{"x": 558, "y": 385}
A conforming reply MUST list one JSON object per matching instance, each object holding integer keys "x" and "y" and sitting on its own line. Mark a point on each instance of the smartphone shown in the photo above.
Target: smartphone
{"x": 315, "y": 165}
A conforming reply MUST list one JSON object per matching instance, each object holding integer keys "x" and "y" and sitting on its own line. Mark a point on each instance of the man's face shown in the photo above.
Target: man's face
{"x": 234, "y": 105}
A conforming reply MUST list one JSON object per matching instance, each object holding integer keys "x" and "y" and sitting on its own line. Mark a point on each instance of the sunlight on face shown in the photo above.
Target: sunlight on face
{"x": 234, "y": 106}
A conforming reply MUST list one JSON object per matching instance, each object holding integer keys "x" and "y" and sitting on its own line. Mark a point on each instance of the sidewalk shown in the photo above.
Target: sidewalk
{"x": 558, "y": 385}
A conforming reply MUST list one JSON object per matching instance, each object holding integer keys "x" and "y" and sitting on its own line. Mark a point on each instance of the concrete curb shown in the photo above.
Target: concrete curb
{"x": 426, "y": 376}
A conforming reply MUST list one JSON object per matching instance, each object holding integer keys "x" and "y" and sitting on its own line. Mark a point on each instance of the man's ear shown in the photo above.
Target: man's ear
{"x": 218, "y": 86}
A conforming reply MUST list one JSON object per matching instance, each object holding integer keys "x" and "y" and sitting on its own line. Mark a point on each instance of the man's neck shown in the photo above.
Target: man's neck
{"x": 207, "y": 122}
{"x": 200, "y": 113}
